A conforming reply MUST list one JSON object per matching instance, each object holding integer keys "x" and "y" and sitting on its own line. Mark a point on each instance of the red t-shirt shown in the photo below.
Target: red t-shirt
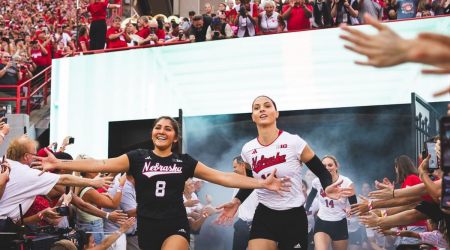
{"x": 38, "y": 57}
{"x": 119, "y": 42}
{"x": 297, "y": 20}
{"x": 410, "y": 181}
{"x": 144, "y": 32}
{"x": 98, "y": 10}
{"x": 38, "y": 205}
{"x": 160, "y": 34}
{"x": 49, "y": 50}
{"x": 84, "y": 40}
{"x": 231, "y": 13}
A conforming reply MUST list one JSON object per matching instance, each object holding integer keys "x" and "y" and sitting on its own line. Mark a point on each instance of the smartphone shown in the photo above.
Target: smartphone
{"x": 432, "y": 163}
{"x": 445, "y": 192}
{"x": 24, "y": 129}
{"x": 3, "y": 160}
{"x": 63, "y": 211}
{"x": 55, "y": 147}
{"x": 71, "y": 140}
{"x": 444, "y": 135}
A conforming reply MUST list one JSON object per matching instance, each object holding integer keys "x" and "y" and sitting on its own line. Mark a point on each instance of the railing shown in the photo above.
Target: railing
{"x": 42, "y": 80}
{"x": 115, "y": 12}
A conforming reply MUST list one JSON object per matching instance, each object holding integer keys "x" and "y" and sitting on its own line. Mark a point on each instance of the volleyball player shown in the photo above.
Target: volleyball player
{"x": 279, "y": 222}
{"x": 160, "y": 177}
{"x": 331, "y": 223}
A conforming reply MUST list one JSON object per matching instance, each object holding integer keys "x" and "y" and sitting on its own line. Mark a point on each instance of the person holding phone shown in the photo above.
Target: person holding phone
{"x": 160, "y": 176}
{"x": 4, "y": 175}
{"x": 9, "y": 75}
{"x": 4, "y": 129}
{"x": 247, "y": 19}
{"x": 331, "y": 223}
{"x": 279, "y": 222}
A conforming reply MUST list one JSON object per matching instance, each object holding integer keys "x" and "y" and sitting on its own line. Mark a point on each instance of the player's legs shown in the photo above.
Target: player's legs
{"x": 339, "y": 245}
{"x": 353, "y": 247}
{"x": 322, "y": 241}
{"x": 175, "y": 242}
{"x": 262, "y": 244}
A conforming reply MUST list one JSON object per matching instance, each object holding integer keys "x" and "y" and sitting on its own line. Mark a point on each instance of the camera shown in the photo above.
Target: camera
{"x": 135, "y": 43}
{"x": 180, "y": 35}
{"x": 14, "y": 64}
{"x": 63, "y": 211}
{"x": 216, "y": 35}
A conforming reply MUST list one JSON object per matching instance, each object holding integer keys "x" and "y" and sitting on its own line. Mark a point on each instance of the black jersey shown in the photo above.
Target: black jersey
{"x": 160, "y": 182}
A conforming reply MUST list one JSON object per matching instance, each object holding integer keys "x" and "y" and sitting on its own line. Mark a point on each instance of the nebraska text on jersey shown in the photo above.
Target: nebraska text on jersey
{"x": 258, "y": 165}
{"x": 158, "y": 169}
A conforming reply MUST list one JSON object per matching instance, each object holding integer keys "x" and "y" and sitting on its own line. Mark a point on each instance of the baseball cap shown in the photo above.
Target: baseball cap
{"x": 38, "y": 33}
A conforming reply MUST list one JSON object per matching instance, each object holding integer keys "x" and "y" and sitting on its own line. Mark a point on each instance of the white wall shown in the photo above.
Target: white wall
{"x": 301, "y": 70}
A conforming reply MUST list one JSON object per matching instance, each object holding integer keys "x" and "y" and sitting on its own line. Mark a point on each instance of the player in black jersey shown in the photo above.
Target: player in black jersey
{"x": 160, "y": 176}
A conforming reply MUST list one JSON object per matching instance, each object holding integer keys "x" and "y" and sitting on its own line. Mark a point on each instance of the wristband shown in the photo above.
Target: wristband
{"x": 2, "y": 135}
{"x": 393, "y": 190}
{"x": 383, "y": 213}
{"x": 119, "y": 190}
{"x": 107, "y": 215}
{"x": 398, "y": 233}
{"x": 40, "y": 215}
{"x": 118, "y": 233}
{"x": 369, "y": 205}
{"x": 205, "y": 215}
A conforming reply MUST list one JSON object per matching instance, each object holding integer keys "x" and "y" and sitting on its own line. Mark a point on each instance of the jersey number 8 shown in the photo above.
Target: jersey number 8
{"x": 160, "y": 188}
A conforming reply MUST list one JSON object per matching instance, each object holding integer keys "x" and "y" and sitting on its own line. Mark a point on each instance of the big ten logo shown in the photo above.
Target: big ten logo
{"x": 265, "y": 176}
{"x": 281, "y": 146}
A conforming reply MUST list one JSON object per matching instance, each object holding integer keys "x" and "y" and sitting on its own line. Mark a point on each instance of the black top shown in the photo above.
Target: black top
{"x": 160, "y": 182}
{"x": 344, "y": 10}
{"x": 200, "y": 36}
{"x": 10, "y": 76}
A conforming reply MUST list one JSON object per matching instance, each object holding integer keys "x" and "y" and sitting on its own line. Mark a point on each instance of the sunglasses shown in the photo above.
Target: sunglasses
{"x": 216, "y": 21}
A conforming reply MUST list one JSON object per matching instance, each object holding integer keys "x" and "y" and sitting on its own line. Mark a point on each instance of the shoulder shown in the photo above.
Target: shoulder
{"x": 346, "y": 179}
{"x": 137, "y": 153}
{"x": 315, "y": 182}
{"x": 250, "y": 144}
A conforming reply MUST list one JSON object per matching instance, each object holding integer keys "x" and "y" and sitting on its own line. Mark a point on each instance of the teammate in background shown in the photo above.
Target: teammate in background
{"x": 279, "y": 222}
{"x": 160, "y": 176}
{"x": 331, "y": 223}
{"x": 311, "y": 214}
{"x": 309, "y": 177}
{"x": 246, "y": 212}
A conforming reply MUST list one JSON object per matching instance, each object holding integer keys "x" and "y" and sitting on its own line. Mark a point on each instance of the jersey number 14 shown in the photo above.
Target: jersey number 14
{"x": 329, "y": 203}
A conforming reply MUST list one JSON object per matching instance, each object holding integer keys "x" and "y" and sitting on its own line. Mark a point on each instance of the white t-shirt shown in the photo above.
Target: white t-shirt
{"x": 329, "y": 209}
{"x": 284, "y": 155}
{"x": 246, "y": 210}
{"x": 65, "y": 38}
{"x": 23, "y": 187}
{"x": 196, "y": 207}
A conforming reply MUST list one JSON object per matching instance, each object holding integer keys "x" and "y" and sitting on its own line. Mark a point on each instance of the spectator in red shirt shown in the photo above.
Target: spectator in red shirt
{"x": 83, "y": 39}
{"x": 98, "y": 25}
{"x": 143, "y": 25}
{"x": 156, "y": 35}
{"x": 117, "y": 38}
{"x": 297, "y": 15}
{"x": 39, "y": 55}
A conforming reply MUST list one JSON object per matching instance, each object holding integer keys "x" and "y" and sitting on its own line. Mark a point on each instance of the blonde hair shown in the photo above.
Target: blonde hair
{"x": 212, "y": 7}
{"x": 19, "y": 146}
{"x": 333, "y": 158}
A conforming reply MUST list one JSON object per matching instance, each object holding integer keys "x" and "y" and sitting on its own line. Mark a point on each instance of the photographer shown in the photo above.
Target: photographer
{"x": 26, "y": 183}
{"x": 247, "y": 19}
{"x": 345, "y": 12}
{"x": 177, "y": 33}
{"x": 199, "y": 26}
{"x": 218, "y": 30}
{"x": 116, "y": 37}
{"x": 156, "y": 35}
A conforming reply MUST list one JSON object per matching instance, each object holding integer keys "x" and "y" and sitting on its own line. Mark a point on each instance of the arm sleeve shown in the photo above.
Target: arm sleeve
{"x": 244, "y": 193}
{"x": 311, "y": 197}
{"x": 316, "y": 166}
{"x": 352, "y": 199}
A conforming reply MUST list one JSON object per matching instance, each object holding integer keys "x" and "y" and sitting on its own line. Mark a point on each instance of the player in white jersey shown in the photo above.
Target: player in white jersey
{"x": 311, "y": 214}
{"x": 331, "y": 223}
{"x": 279, "y": 222}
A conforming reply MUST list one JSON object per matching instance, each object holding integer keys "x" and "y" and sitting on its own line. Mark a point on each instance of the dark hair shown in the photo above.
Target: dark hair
{"x": 304, "y": 183}
{"x": 176, "y": 147}
{"x": 405, "y": 168}
{"x": 197, "y": 18}
{"x": 267, "y": 98}
{"x": 186, "y": 19}
{"x": 239, "y": 159}
{"x": 191, "y": 13}
{"x": 82, "y": 31}
{"x": 174, "y": 25}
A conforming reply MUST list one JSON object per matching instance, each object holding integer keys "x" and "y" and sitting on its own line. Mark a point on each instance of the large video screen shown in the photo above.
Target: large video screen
{"x": 299, "y": 70}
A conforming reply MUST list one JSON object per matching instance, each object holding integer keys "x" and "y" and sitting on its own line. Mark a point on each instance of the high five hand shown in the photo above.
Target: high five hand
{"x": 275, "y": 184}
{"x": 334, "y": 192}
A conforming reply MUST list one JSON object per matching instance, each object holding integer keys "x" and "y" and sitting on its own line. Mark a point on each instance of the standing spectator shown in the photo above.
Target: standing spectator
{"x": 371, "y": 7}
{"x": 407, "y": 8}
{"x": 39, "y": 55}
{"x": 245, "y": 212}
{"x": 297, "y": 15}
{"x": 269, "y": 21}
{"x": 117, "y": 38}
{"x": 209, "y": 9}
{"x": 186, "y": 23}
{"x": 61, "y": 36}
{"x": 345, "y": 12}
{"x": 436, "y": 7}
{"x": 9, "y": 75}
{"x": 156, "y": 35}
{"x": 231, "y": 13}
{"x": 199, "y": 27}
{"x": 144, "y": 30}
{"x": 97, "y": 9}
{"x": 218, "y": 30}
{"x": 222, "y": 13}
{"x": 83, "y": 39}
{"x": 247, "y": 19}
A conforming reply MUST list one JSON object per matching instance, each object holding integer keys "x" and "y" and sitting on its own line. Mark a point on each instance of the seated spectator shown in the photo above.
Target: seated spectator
{"x": 156, "y": 35}
{"x": 247, "y": 19}
{"x": 269, "y": 21}
{"x": 143, "y": 24}
{"x": 9, "y": 75}
{"x": 218, "y": 30}
{"x": 297, "y": 14}
{"x": 116, "y": 37}
{"x": 199, "y": 27}
{"x": 345, "y": 12}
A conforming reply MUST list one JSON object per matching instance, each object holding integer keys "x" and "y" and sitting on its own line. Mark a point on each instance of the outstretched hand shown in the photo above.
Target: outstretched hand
{"x": 361, "y": 207}
{"x": 45, "y": 163}
{"x": 102, "y": 182}
{"x": 335, "y": 192}
{"x": 276, "y": 184}
{"x": 383, "y": 194}
{"x": 228, "y": 212}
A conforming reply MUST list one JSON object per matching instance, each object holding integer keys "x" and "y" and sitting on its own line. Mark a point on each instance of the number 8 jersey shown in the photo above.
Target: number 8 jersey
{"x": 329, "y": 209}
{"x": 159, "y": 182}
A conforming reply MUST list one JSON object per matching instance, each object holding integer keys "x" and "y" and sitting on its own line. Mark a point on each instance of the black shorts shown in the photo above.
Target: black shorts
{"x": 289, "y": 228}
{"x": 155, "y": 232}
{"x": 355, "y": 238}
{"x": 337, "y": 230}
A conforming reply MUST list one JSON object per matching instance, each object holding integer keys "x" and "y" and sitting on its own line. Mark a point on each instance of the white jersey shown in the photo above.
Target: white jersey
{"x": 284, "y": 155}
{"x": 329, "y": 209}
{"x": 196, "y": 207}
